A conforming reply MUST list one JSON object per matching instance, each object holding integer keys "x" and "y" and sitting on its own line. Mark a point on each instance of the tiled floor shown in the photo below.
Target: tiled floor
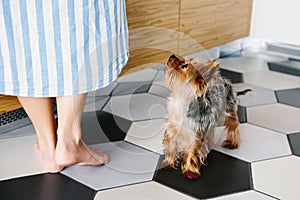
{"x": 126, "y": 120}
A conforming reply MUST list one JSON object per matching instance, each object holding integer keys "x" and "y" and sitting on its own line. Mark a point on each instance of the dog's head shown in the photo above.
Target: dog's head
{"x": 189, "y": 77}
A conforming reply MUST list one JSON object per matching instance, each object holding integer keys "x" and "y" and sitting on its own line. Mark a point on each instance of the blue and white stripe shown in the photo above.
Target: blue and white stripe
{"x": 59, "y": 48}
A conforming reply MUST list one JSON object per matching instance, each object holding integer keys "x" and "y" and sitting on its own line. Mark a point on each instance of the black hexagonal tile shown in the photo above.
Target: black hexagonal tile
{"x": 101, "y": 127}
{"x": 294, "y": 140}
{"x": 222, "y": 175}
{"x": 125, "y": 88}
{"x": 288, "y": 67}
{"x": 44, "y": 187}
{"x": 234, "y": 77}
{"x": 242, "y": 114}
{"x": 290, "y": 97}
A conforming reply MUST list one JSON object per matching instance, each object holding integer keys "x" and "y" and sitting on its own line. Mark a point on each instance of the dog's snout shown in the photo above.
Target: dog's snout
{"x": 173, "y": 57}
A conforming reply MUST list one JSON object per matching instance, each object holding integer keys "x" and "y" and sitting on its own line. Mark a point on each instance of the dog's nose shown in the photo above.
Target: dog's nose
{"x": 173, "y": 57}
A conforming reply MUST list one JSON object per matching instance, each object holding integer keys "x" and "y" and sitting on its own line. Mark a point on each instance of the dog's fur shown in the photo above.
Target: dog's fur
{"x": 200, "y": 100}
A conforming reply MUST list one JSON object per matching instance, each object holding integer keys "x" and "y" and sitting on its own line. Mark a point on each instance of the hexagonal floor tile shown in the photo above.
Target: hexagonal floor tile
{"x": 160, "y": 89}
{"x": 288, "y": 66}
{"x": 256, "y": 144}
{"x": 160, "y": 67}
{"x": 258, "y": 96}
{"x": 244, "y": 64}
{"x": 14, "y": 132}
{"x": 18, "y": 158}
{"x": 160, "y": 76}
{"x": 290, "y": 97}
{"x": 294, "y": 140}
{"x": 222, "y": 175}
{"x": 272, "y": 80}
{"x": 142, "y": 75}
{"x": 104, "y": 91}
{"x": 234, "y": 77}
{"x": 147, "y": 134}
{"x": 248, "y": 195}
{"x": 278, "y": 117}
{"x": 148, "y": 190}
{"x": 94, "y": 103}
{"x": 101, "y": 127}
{"x": 44, "y": 186}
{"x": 137, "y": 107}
{"x": 128, "y": 164}
{"x": 242, "y": 114}
{"x": 125, "y": 88}
{"x": 278, "y": 177}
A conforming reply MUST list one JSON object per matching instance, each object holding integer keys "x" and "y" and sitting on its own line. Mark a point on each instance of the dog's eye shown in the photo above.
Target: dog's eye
{"x": 184, "y": 66}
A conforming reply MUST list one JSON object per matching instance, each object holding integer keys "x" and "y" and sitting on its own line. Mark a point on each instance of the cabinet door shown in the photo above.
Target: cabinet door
{"x": 153, "y": 26}
{"x": 8, "y": 103}
{"x": 213, "y": 22}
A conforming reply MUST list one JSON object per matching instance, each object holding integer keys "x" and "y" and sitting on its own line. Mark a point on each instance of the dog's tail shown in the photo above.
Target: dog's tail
{"x": 243, "y": 92}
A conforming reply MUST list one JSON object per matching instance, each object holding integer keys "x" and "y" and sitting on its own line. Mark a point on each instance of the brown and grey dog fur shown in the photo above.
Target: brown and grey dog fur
{"x": 200, "y": 100}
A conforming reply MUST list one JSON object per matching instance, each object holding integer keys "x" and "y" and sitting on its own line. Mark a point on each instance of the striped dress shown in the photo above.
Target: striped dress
{"x": 52, "y": 48}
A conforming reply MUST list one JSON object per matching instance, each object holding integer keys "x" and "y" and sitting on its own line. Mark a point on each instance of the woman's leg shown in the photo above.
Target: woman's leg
{"x": 40, "y": 111}
{"x": 70, "y": 149}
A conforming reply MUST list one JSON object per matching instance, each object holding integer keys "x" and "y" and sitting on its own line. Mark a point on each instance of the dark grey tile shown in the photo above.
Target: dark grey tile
{"x": 44, "y": 187}
{"x": 234, "y": 77}
{"x": 94, "y": 103}
{"x": 288, "y": 67}
{"x": 242, "y": 114}
{"x": 294, "y": 140}
{"x": 222, "y": 175}
{"x": 290, "y": 97}
{"x": 125, "y": 88}
{"x": 101, "y": 127}
{"x": 106, "y": 91}
{"x": 12, "y": 120}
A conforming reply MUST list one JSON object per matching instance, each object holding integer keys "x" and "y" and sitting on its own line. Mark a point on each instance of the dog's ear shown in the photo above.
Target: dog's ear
{"x": 209, "y": 69}
{"x": 200, "y": 84}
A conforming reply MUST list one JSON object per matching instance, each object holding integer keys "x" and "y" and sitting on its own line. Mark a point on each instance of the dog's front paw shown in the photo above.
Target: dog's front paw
{"x": 191, "y": 174}
{"x": 190, "y": 169}
{"x": 170, "y": 164}
{"x": 230, "y": 144}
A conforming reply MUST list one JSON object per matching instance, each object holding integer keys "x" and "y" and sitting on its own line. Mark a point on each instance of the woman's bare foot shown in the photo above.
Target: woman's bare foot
{"x": 72, "y": 153}
{"x": 47, "y": 158}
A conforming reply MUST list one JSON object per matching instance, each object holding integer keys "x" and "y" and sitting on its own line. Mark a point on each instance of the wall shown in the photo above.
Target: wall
{"x": 277, "y": 20}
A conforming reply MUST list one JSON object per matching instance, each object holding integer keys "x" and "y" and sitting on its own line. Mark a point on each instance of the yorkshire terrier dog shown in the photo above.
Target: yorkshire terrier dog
{"x": 200, "y": 100}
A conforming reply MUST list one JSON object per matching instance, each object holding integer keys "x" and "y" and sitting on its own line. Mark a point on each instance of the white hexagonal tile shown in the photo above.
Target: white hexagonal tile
{"x": 278, "y": 117}
{"x": 147, "y": 134}
{"x": 128, "y": 164}
{"x": 244, "y": 64}
{"x": 258, "y": 96}
{"x": 160, "y": 89}
{"x": 142, "y": 75}
{"x": 148, "y": 190}
{"x": 160, "y": 76}
{"x": 256, "y": 144}
{"x": 18, "y": 158}
{"x": 278, "y": 177}
{"x": 272, "y": 80}
{"x": 137, "y": 107}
